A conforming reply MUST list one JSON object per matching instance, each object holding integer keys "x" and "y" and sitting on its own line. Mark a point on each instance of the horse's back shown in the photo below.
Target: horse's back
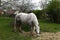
{"x": 24, "y": 17}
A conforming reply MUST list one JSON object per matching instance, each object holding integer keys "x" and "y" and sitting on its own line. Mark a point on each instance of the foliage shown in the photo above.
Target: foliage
{"x": 53, "y": 9}
{"x": 38, "y": 13}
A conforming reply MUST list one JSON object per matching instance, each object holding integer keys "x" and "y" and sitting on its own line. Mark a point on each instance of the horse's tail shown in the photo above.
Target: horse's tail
{"x": 16, "y": 12}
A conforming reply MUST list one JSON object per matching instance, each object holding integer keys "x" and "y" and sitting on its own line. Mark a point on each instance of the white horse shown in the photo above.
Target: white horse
{"x": 29, "y": 19}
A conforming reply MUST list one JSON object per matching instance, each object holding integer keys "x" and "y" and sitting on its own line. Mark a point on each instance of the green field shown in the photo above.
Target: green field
{"x": 6, "y": 30}
{"x": 49, "y": 26}
{"x": 7, "y": 34}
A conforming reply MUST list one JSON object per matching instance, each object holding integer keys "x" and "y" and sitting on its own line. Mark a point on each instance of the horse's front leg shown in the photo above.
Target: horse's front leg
{"x": 32, "y": 30}
{"x": 37, "y": 30}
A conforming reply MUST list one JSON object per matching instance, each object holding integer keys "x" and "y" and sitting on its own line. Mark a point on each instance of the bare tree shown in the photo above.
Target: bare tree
{"x": 0, "y": 2}
{"x": 44, "y": 4}
{"x": 22, "y": 5}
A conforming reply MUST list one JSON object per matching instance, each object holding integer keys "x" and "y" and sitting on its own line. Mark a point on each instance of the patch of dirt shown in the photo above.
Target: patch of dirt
{"x": 49, "y": 36}
{"x": 45, "y": 36}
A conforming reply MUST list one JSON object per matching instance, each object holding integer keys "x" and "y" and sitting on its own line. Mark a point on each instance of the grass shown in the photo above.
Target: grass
{"x": 49, "y": 26}
{"x": 6, "y": 30}
{"x": 7, "y": 34}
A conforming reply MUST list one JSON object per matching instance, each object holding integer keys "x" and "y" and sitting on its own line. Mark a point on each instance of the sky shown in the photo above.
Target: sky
{"x": 36, "y": 3}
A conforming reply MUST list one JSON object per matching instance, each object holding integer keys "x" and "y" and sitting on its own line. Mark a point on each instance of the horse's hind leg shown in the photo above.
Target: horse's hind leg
{"x": 20, "y": 29}
{"x": 15, "y": 26}
{"x": 19, "y": 26}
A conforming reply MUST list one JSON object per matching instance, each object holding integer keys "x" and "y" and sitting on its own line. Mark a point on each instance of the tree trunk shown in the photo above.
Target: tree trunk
{"x": 0, "y": 2}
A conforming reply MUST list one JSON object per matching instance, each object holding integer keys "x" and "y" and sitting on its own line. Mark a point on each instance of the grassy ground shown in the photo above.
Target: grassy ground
{"x": 7, "y": 34}
{"x": 49, "y": 26}
{"x": 6, "y": 30}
